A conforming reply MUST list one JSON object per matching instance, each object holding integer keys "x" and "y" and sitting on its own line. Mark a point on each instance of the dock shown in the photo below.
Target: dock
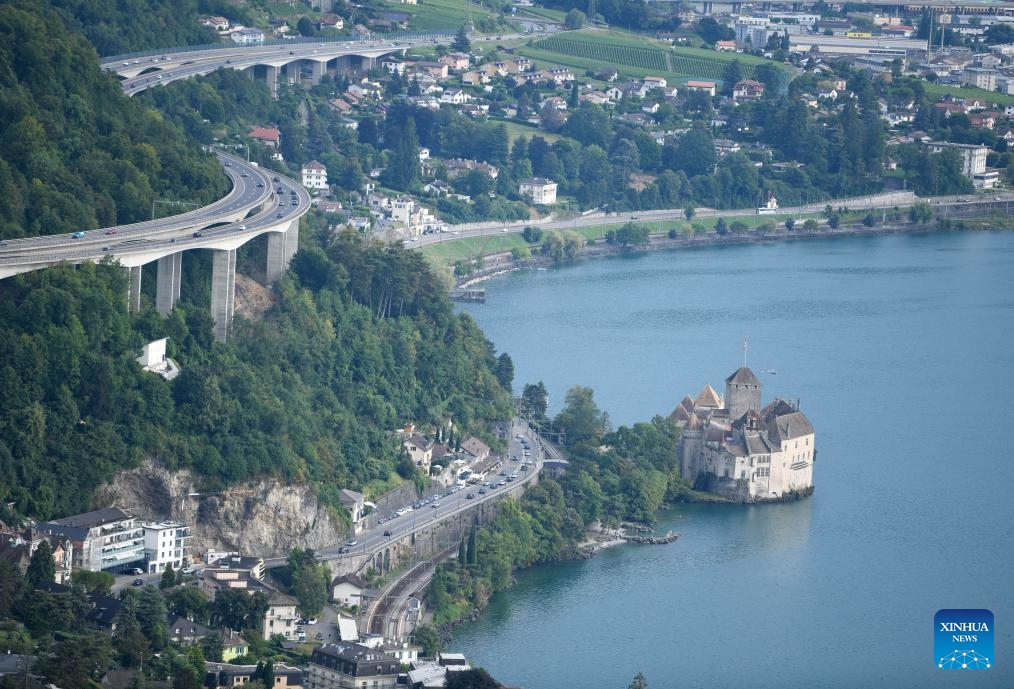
{"x": 468, "y": 294}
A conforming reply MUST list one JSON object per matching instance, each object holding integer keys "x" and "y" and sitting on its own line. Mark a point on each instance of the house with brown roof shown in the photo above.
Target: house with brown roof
{"x": 269, "y": 136}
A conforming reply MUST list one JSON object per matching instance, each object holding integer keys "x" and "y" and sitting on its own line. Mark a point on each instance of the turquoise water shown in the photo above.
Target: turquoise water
{"x": 901, "y": 352}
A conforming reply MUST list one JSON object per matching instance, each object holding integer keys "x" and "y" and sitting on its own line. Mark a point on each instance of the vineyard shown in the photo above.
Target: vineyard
{"x": 685, "y": 64}
{"x": 642, "y": 58}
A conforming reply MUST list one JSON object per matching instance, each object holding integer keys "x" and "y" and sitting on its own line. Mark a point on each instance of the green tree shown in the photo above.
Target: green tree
{"x": 429, "y": 640}
{"x": 639, "y": 682}
{"x": 574, "y": 19}
{"x": 78, "y": 662}
{"x": 93, "y": 582}
{"x": 461, "y": 43}
{"x": 305, "y": 26}
{"x": 128, "y": 639}
{"x": 580, "y": 417}
{"x": 168, "y": 579}
{"x": 41, "y": 568}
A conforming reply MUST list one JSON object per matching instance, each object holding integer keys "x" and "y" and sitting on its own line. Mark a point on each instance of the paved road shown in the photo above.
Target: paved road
{"x": 873, "y": 203}
{"x": 448, "y": 504}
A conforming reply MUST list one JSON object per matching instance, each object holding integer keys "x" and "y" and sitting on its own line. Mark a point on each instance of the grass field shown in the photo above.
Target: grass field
{"x": 516, "y": 129}
{"x": 935, "y": 91}
{"x": 431, "y": 15}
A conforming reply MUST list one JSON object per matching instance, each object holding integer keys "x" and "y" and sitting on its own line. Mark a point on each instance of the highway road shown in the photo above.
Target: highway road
{"x": 147, "y": 71}
{"x": 450, "y": 503}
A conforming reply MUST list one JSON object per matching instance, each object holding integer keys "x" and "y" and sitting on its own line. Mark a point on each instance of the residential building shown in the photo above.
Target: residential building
{"x": 248, "y": 36}
{"x": 281, "y": 616}
{"x": 216, "y": 23}
{"x": 539, "y": 190}
{"x": 747, "y": 89}
{"x": 706, "y": 86}
{"x": 736, "y": 448}
{"x": 348, "y": 590}
{"x": 227, "y": 675}
{"x": 725, "y": 46}
{"x": 331, "y": 21}
{"x": 351, "y": 666}
{"x": 973, "y": 156}
{"x": 314, "y": 175}
{"x": 979, "y": 78}
{"x": 456, "y": 61}
{"x": 418, "y": 448}
{"x": 654, "y": 83}
{"x": 270, "y": 136}
{"x": 108, "y": 539}
{"x": 184, "y": 631}
{"x": 355, "y": 503}
{"x": 166, "y": 544}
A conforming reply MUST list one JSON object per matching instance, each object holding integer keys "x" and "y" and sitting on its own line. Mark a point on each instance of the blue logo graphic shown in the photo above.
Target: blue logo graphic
{"x": 963, "y": 639}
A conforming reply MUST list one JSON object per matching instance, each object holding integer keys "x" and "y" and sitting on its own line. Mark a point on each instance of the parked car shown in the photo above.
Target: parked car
{"x": 136, "y": 571}
{"x": 138, "y": 582}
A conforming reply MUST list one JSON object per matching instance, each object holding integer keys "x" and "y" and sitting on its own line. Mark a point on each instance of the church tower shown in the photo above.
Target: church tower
{"x": 742, "y": 393}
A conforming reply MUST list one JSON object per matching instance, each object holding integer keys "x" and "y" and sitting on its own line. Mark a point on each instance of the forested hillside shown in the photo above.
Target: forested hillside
{"x": 127, "y": 26}
{"x": 363, "y": 340}
{"x": 75, "y": 153}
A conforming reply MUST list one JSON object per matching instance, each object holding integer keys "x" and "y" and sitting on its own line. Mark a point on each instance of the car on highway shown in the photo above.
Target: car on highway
{"x": 78, "y": 235}
{"x": 108, "y": 232}
{"x": 138, "y": 582}
{"x": 387, "y": 532}
{"x": 241, "y": 227}
{"x": 351, "y": 542}
{"x": 260, "y": 185}
{"x": 435, "y": 505}
{"x": 280, "y": 215}
{"x": 482, "y": 491}
{"x": 198, "y": 234}
{"x": 470, "y": 496}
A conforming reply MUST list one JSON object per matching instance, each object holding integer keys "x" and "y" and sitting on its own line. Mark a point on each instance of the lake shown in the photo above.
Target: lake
{"x": 900, "y": 350}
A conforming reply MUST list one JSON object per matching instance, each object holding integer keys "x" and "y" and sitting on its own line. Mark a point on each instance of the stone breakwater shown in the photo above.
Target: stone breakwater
{"x": 669, "y": 537}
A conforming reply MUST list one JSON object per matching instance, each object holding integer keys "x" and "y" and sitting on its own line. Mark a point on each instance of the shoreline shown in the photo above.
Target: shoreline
{"x": 504, "y": 263}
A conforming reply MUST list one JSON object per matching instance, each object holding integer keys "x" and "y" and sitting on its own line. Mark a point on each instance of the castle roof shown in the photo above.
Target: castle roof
{"x": 680, "y": 414}
{"x": 693, "y": 423}
{"x": 788, "y": 426}
{"x": 743, "y": 376}
{"x": 709, "y": 398}
{"x": 778, "y": 407}
{"x": 687, "y": 402}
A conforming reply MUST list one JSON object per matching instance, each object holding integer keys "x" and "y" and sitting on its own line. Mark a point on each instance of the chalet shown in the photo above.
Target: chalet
{"x": 419, "y": 449}
{"x": 654, "y": 83}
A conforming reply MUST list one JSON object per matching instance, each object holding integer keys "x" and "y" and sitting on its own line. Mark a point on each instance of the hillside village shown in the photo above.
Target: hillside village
{"x": 497, "y": 85}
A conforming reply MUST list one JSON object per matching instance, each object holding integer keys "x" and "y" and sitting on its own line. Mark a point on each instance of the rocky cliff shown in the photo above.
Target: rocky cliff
{"x": 263, "y": 518}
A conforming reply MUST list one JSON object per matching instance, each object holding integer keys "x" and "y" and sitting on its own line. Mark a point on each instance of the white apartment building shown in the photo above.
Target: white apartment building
{"x": 166, "y": 543}
{"x": 314, "y": 175}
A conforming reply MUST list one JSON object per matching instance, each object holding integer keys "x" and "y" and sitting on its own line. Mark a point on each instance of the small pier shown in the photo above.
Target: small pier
{"x": 669, "y": 537}
{"x": 468, "y": 294}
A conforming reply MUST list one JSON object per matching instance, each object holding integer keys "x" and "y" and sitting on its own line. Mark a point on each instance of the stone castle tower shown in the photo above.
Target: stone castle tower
{"x": 742, "y": 393}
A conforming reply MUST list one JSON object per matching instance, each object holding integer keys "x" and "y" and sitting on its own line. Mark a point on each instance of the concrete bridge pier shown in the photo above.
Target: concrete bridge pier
{"x": 167, "y": 285}
{"x": 319, "y": 69}
{"x": 271, "y": 73}
{"x": 223, "y": 291}
{"x": 282, "y": 247}
{"x": 133, "y": 289}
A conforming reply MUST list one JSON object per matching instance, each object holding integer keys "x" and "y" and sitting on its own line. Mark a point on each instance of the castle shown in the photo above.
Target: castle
{"x": 743, "y": 451}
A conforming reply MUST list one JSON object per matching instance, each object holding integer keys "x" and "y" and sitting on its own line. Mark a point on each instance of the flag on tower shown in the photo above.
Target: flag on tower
{"x": 744, "y": 351}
